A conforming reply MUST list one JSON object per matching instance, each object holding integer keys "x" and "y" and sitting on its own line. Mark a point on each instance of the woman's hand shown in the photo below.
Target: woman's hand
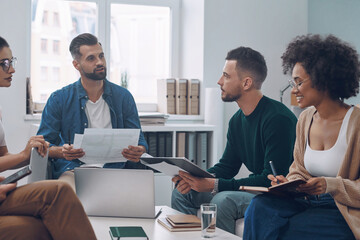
{"x": 4, "y": 189}
{"x": 37, "y": 142}
{"x": 276, "y": 180}
{"x": 314, "y": 186}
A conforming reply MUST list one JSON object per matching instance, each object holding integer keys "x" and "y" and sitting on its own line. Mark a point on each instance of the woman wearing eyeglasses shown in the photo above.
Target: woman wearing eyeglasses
{"x": 325, "y": 71}
{"x": 41, "y": 210}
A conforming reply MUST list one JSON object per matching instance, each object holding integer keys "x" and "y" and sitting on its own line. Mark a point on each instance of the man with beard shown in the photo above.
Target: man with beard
{"x": 91, "y": 102}
{"x": 262, "y": 130}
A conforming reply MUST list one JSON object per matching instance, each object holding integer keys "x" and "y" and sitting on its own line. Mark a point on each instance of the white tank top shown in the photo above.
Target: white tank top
{"x": 327, "y": 163}
{"x": 98, "y": 114}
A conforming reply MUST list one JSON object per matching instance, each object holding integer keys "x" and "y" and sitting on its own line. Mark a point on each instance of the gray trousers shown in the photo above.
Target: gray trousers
{"x": 231, "y": 205}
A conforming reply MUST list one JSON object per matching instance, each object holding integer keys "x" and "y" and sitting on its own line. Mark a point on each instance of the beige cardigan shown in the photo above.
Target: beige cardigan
{"x": 345, "y": 188}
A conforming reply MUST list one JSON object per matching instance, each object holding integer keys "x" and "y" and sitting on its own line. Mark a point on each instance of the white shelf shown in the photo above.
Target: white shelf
{"x": 169, "y": 127}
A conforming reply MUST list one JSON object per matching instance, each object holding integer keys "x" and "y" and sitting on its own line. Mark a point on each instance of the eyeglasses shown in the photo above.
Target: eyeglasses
{"x": 7, "y": 63}
{"x": 295, "y": 84}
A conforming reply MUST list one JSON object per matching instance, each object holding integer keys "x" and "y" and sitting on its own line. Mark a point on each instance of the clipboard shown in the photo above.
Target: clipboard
{"x": 181, "y": 162}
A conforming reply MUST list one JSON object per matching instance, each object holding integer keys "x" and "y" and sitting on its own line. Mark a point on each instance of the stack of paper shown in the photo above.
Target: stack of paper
{"x": 152, "y": 118}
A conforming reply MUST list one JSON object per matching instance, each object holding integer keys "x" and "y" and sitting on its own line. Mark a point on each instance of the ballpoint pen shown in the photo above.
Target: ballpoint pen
{"x": 273, "y": 171}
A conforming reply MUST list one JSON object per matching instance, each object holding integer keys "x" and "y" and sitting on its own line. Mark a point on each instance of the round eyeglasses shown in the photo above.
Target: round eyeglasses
{"x": 7, "y": 63}
{"x": 296, "y": 85}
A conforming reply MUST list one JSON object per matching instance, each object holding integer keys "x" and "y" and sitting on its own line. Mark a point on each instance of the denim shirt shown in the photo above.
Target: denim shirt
{"x": 64, "y": 115}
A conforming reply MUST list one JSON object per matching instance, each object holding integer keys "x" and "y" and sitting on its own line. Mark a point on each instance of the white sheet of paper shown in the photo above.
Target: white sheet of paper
{"x": 164, "y": 167}
{"x": 105, "y": 145}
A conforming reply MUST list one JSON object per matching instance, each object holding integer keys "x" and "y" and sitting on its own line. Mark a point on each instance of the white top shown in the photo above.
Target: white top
{"x": 98, "y": 114}
{"x": 2, "y": 135}
{"x": 327, "y": 162}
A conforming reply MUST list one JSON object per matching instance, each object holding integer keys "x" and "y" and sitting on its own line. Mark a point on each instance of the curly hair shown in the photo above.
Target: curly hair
{"x": 332, "y": 64}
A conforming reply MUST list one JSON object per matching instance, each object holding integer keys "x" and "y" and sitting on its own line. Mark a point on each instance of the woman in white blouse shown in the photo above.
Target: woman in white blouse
{"x": 325, "y": 71}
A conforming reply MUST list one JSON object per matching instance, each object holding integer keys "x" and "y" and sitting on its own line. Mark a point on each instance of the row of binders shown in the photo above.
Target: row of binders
{"x": 191, "y": 145}
{"x": 178, "y": 96}
{"x": 159, "y": 143}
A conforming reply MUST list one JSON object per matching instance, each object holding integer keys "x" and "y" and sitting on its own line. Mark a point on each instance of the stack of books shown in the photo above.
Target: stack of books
{"x": 181, "y": 222}
{"x": 152, "y": 118}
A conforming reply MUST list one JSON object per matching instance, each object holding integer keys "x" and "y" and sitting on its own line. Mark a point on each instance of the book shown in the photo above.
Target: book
{"x": 181, "y": 96}
{"x": 165, "y": 223}
{"x": 283, "y": 189}
{"x": 193, "y": 97}
{"x": 128, "y": 233}
{"x": 166, "y": 92}
{"x": 183, "y": 220}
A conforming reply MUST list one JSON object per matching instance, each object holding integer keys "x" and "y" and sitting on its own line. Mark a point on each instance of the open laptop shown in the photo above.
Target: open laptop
{"x": 113, "y": 192}
{"x": 38, "y": 166}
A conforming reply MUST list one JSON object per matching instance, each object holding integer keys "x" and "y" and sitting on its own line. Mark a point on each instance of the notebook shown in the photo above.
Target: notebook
{"x": 38, "y": 166}
{"x": 113, "y": 192}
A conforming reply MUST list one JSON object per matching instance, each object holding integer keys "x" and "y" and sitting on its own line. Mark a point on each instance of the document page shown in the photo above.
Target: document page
{"x": 105, "y": 145}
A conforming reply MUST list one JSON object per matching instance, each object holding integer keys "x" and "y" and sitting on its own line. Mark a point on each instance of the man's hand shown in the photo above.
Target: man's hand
{"x": 182, "y": 186}
{"x": 198, "y": 184}
{"x": 133, "y": 153}
{"x": 71, "y": 153}
{"x": 314, "y": 186}
{"x": 276, "y": 180}
{"x": 4, "y": 189}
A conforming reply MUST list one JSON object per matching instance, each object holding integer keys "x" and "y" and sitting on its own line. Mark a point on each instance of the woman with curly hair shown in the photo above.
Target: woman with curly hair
{"x": 325, "y": 71}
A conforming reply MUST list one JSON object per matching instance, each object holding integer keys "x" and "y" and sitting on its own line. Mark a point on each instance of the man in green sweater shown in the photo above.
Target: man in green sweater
{"x": 262, "y": 130}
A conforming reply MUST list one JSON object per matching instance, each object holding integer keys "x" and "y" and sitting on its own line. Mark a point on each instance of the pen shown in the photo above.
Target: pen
{"x": 273, "y": 171}
{"x": 69, "y": 137}
{"x": 158, "y": 214}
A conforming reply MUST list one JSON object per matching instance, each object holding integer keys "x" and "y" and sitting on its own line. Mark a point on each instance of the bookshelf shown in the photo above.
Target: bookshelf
{"x": 178, "y": 128}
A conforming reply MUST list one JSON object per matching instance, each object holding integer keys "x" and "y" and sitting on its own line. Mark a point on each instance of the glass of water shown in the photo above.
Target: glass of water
{"x": 208, "y": 220}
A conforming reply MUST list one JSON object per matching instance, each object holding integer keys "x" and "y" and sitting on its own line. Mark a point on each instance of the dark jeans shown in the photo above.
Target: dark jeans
{"x": 272, "y": 217}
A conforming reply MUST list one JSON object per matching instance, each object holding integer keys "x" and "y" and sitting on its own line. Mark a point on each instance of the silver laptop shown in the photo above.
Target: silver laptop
{"x": 116, "y": 192}
{"x": 38, "y": 166}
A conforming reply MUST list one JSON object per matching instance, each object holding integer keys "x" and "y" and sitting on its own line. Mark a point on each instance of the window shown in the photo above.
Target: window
{"x": 45, "y": 18}
{"x": 43, "y": 45}
{"x": 139, "y": 40}
{"x": 56, "y": 47}
{"x": 56, "y": 20}
{"x": 44, "y": 74}
{"x": 56, "y": 74}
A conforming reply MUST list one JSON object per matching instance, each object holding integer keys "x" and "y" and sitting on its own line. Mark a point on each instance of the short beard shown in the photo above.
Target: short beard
{"x": 231, "y": 98}
{"x": 96, "y": 76}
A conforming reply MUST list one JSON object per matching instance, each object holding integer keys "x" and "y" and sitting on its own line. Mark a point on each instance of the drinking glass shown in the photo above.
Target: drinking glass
{"x": 208, "y": 220}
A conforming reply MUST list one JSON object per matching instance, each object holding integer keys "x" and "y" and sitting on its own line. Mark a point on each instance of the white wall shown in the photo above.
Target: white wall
{"x": 266, "y": 26}
{"x": 15, "y": 16}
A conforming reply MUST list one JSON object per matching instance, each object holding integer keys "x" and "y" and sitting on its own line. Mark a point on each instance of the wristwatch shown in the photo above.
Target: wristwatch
{"x": 216, "y": 187}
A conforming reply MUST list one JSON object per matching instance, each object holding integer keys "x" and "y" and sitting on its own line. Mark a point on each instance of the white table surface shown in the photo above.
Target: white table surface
{"x": 152, "y": 228}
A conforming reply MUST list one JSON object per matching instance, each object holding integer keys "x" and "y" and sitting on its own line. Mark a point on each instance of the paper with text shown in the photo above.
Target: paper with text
{"x": 105, "y": 145}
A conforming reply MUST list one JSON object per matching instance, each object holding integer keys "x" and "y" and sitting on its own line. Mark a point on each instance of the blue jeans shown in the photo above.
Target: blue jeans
{"x": 272, "y": 217}
{"x": 231, "y": 205}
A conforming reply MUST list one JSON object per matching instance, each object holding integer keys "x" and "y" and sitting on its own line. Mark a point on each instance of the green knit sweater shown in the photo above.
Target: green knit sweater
{"x": 267, "y": 134}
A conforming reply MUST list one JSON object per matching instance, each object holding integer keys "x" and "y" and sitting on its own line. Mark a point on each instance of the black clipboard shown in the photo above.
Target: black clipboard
{"x": 181, "y": 162}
